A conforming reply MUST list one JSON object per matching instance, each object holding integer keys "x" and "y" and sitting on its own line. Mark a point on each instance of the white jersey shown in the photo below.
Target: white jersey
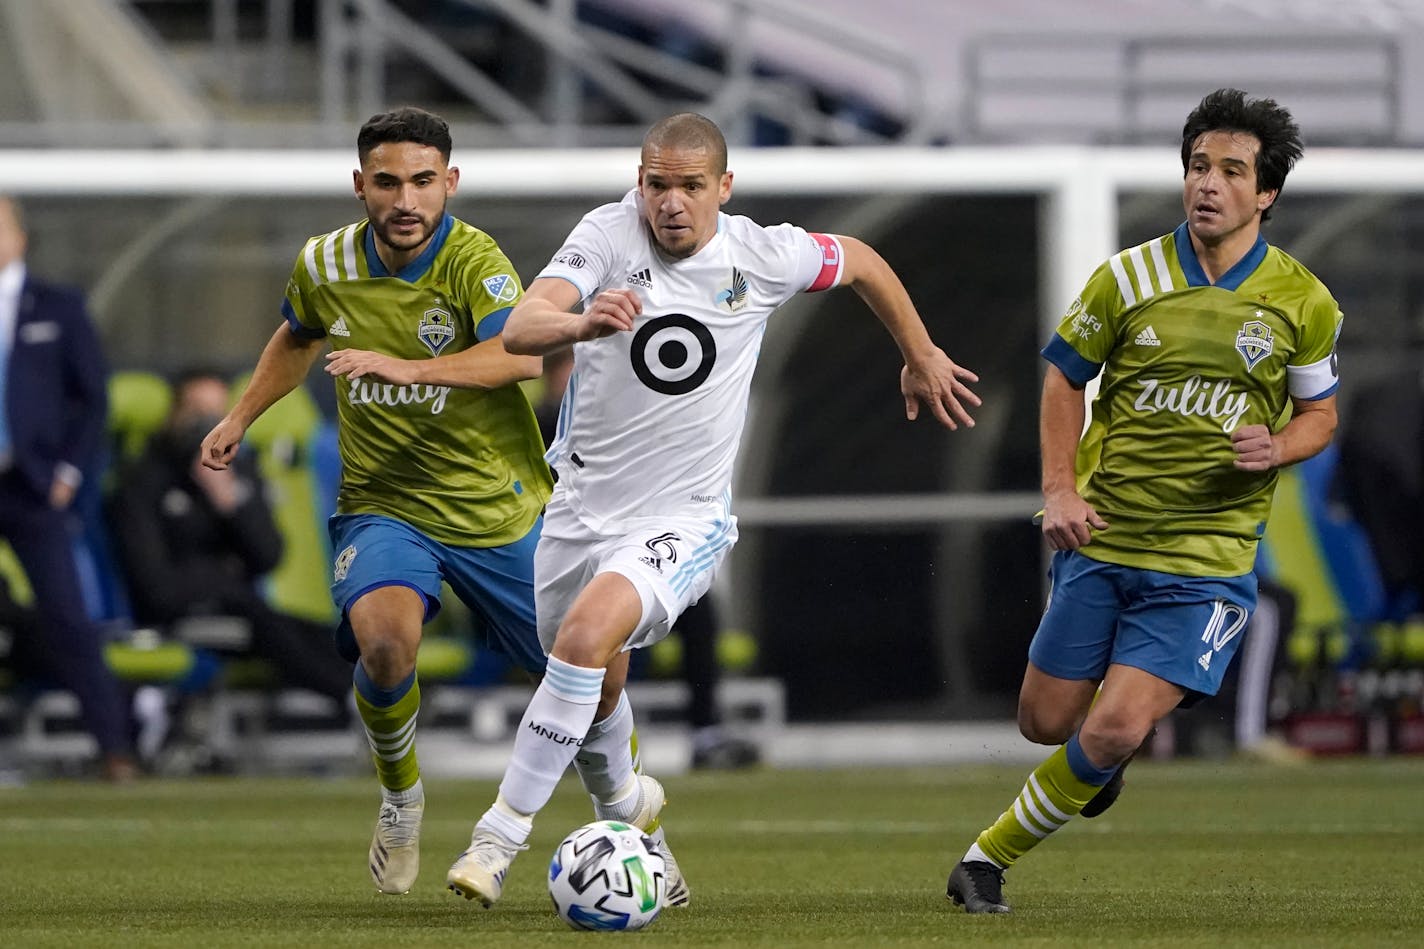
{"x": 652, "y": 418}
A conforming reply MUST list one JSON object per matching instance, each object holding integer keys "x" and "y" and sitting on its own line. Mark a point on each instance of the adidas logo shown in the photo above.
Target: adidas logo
{"x": 642, "y": 278}
{"x": 339, "y": 328}
{"x": 1205, "y": 661}
{"x": 1148, "y": 337}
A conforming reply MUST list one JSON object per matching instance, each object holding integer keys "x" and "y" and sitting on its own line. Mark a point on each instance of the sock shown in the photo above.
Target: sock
{"x": 1056, "y": 791}
{"x": 389, "y": 719}
{"x": 554, "y": 724}
{"x": 605, "y": 761}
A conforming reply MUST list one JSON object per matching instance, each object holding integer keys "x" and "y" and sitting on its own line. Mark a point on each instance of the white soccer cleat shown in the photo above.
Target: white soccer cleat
{"x": 646, "y": 820}
{"x": 395, "y": 848}
{"x": 478, "y": 873}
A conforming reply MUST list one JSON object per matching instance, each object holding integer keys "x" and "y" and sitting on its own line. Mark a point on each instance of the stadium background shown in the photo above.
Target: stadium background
{"x": 174, "y": 154}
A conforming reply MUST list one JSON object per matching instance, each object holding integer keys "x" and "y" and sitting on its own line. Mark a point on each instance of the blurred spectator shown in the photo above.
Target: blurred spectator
{"x": 53, "y": 379}
{"x": 1382, "y": 474}
{"x": 197, "y": 542}
{"x": 698, "y": 626}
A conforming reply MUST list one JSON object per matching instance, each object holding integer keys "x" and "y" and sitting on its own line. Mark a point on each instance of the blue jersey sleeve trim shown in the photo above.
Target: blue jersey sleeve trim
{"x": 493, "y": 324}
{"x": 1079, "y": 371}
{"x": 297, "y": 327}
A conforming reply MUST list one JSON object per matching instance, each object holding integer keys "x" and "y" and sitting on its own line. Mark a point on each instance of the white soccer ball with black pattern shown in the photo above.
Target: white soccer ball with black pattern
{"x": 608, "y": 875}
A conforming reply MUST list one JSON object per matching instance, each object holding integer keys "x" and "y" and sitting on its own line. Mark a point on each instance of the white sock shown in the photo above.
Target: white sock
{"x": 558, "y": 715}
{"x": 975, "y": 855}
{"x": 411, "y": 795}
{"x": 605, "y": 760}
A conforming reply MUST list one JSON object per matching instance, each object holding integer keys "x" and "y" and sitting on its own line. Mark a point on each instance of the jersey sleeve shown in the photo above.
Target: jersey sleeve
{"x": 1088, "y": 331}
{"x": 1313, "y": 372}
{"x": 590, "y": 253}
{"x": 808, "y": 262}
{"x": 492, "y": 288}
{"x": 298, "y": 307}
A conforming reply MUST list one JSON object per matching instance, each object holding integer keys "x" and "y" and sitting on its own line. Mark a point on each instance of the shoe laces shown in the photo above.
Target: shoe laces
{"x": 398, "y": 827}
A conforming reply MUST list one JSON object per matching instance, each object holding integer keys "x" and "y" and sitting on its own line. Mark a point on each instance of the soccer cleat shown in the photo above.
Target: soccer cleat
{"x": 395, "y": 848}
{"x": 978, "y": 887}
{"x": 1108, "y": 794}
{"x": 478, "y": 873}
{"x": 646, "y": 820}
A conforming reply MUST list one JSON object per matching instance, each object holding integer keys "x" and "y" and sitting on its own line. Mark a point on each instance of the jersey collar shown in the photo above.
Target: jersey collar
{"x": 416, "y": 269}
{"x": 1233, "y": 278}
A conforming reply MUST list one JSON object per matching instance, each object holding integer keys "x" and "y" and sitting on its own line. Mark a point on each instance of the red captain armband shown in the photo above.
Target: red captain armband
{"x": 832, "y": 263}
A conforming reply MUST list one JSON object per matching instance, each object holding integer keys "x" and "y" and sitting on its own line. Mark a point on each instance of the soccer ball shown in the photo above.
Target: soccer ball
{"x": 607, "y": 875}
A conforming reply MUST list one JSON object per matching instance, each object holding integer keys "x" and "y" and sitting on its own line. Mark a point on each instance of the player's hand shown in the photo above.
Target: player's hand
{"x": 1069, "y": 521}
{"x": 1255, "y": 448}
{"x": 940, "y": 383}
{"x": 355, "y": 363}
{"x": 219, "y": 446}
{"x": 612, "y": 311}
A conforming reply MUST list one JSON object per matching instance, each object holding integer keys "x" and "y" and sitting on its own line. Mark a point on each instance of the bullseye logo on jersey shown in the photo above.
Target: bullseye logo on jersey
{"x": 436, "y": 330}
{"x": 673, "y": 354}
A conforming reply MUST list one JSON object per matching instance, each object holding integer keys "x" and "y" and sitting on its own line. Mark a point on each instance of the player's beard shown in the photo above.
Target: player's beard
{"x": 384, "y": 230}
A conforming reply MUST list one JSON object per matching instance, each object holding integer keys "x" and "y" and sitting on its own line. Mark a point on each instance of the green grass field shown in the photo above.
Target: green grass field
{"x": 1199, "y": 854}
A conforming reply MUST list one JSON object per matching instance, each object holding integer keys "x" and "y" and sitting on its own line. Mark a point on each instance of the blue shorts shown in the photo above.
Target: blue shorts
{"x": 1181, "y": 629}
{"x": 496, "y": 583}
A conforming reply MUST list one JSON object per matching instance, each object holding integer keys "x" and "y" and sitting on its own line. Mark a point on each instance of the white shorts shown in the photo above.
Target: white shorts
{"x": 671, "y": 562}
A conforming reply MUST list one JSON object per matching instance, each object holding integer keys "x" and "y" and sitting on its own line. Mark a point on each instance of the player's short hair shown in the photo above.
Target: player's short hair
{"x": 688, "y": 131}
{"x": 1229, "y": 110}
{"x": 408, "y": 124}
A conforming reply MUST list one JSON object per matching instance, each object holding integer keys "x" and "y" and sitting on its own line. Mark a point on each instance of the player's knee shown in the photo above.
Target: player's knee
{"x": 1042, "y": 727}
{"x": 1111, "y": 739}
{"x": 388, "y": 659}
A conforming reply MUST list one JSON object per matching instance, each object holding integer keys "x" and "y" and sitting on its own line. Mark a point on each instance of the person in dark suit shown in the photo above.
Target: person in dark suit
{"x": 53, "y": 381}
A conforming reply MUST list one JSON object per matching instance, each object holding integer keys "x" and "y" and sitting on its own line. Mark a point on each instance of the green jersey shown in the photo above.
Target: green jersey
{"x": 1185, "y": 363}
{"x": 464, "y": 466}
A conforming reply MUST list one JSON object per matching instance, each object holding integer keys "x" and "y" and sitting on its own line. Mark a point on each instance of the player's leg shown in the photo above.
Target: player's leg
{"x": 387, "y": 583}
{"x": 1068, "y": 657}
{"x": 672, "y": 564}
{"x": 557, "y": 718}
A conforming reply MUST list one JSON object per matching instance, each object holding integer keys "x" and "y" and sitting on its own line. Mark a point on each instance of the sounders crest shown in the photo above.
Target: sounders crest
{"x": 436, "y": 329}
{"x": 1254, "y": 342}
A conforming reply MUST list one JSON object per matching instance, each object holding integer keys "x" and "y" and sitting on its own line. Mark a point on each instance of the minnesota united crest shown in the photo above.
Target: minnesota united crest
{"x": 735, "y": 296}
{"x": 436, "y": 329}
{"x": 1254, "y": 342}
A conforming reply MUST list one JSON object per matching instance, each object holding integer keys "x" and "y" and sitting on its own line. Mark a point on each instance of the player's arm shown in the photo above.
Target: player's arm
{"x": 280, "y": 369}
{"x": 929, "y": 374}
{"x": 1068, "y": 520}
{"x": 544, "y": 321}
{"x": 1309, "y": 430}
{"x": 485, "y": 365}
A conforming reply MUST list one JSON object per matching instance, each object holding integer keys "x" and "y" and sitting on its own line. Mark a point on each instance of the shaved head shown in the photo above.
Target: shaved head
{"x": 688, "y": 131}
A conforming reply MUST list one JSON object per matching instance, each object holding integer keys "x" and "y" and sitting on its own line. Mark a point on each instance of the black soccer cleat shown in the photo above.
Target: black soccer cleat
{"x": 978, "y": 887}
{"x": 1108, "y": 794}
